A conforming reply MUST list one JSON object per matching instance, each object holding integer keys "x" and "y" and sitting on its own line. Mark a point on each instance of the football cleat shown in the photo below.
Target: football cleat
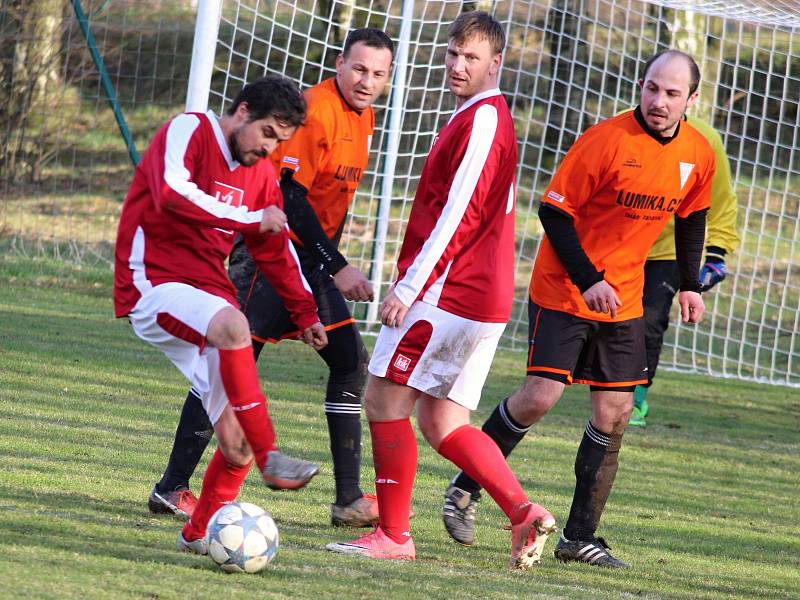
{"x": 529, "y": 536}
{"x": 594, "y": 552}
{"x": 376, "y": 545}
{"x": 637, "y": 418}
{"x": 458, "y": 514}
{"x": 198, "y": 546}
{"x": 180, "y": 502}
{"x": 361, "y": 512}
{"x": 282, "y": 472}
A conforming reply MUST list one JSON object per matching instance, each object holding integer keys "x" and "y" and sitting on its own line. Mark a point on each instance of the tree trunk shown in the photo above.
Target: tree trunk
{"x": 31, "y": 81}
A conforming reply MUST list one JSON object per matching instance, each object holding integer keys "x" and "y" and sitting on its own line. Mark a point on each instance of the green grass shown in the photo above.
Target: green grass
{"x": 705, "y": 504}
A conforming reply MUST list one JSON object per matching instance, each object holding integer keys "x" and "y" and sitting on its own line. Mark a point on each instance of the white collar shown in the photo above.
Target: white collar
{"x": 476, "y": 98}
{"x": 223, "y": 145}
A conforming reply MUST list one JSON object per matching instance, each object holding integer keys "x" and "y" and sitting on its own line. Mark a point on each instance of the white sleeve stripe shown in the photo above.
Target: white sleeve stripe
{"x": 484, "y": 127}
{"x": 296, "y": 258}
{"x": 177, "y": 176}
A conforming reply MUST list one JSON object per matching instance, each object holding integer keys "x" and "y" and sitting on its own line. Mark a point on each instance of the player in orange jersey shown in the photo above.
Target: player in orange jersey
{"x": 610, "y": 198}
{"x": 321, "y": 167}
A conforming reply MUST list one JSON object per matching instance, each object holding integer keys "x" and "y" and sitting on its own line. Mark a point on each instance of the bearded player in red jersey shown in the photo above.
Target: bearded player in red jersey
{"x": 202, "y": 180}
{"x": 321, "y": 167}
{"x": 610, "y": 198}
{"x": 452, "y": 298}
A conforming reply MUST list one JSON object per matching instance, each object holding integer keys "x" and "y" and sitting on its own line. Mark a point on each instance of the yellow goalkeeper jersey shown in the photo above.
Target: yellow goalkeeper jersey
{"x": 721, "y": 229}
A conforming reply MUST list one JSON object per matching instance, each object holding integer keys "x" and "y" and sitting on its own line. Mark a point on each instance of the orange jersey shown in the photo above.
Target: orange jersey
{"x": 620, "y": 186}
{"x": 329, "y": 154}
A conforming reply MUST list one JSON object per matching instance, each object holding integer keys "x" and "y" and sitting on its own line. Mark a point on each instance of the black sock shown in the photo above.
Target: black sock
{"x": 345, "y": 434}
{"x": 506, "y": 433}
{"x": 191, "y": 438}
{"x": 595, "y": 469}
{"x": 346, "y": 358}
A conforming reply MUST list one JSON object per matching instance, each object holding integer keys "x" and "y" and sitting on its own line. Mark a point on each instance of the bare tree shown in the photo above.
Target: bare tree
{"x": 30, "y": 82}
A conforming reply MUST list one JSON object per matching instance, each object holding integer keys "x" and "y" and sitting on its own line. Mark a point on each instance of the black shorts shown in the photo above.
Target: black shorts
{"x": 569, "y": 349}
{"x": 264, "y": 308}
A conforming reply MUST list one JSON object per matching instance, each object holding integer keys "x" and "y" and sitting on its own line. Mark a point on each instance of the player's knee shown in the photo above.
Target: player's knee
{"x": 432, "y": 431}
{"x": 346, "y": 354}
{"x": 534, "y": 399}
{"x": 347, "y": 362}
{"x": 229, "y": 329}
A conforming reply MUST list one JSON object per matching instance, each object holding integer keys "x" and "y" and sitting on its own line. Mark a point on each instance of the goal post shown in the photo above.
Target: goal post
{"x": 567, "y": 65}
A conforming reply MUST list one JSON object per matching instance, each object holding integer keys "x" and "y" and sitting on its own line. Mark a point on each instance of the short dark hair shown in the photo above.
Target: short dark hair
{"x": 275, "y": 96}
{"x": 481, "y": 24}
{"x": 694, "y": 70}
{"x": 374, "y": 38}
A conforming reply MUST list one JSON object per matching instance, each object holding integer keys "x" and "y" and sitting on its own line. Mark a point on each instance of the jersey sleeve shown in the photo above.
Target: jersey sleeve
{"x": 308, "y": 150}
{"x": 276, "y": 258}
{"x": 179, "y": 195}
{"x": 461, "y": 215}
{"x": 580, "y": 173}
{"x": 722, "y": 228}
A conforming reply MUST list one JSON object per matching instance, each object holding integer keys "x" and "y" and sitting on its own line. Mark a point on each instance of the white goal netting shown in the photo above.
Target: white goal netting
{"x": 568, "y": 64}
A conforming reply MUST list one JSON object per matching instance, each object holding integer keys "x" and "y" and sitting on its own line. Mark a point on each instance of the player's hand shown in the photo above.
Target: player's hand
{"x": 712, "y": 272}
{"x": 602, "y": 298}
{"x": 692, "y": 307}
{"x": 315, "y": 336}
{"x": 392, "y": 310}
{"x": 273, "y": 219}
{"x": 353, "y": 284}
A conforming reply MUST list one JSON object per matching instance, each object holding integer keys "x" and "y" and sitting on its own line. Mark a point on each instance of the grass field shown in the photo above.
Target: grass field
{"x": 705, "y": 504}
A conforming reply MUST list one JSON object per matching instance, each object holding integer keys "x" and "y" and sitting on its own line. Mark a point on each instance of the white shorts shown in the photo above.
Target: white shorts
{"x": 174, "y": 318}
{"x": 438, "y": 353}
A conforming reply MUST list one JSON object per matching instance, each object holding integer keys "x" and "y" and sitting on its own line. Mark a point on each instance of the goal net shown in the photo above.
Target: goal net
{"x": 569, "y": 64}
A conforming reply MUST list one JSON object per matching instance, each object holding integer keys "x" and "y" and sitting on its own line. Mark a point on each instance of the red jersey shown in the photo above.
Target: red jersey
{"x": 620, "y": 186}
{"x": 187, "y": 200}
{"x": 329, "y": 154}
{"x": 458, "y": 249}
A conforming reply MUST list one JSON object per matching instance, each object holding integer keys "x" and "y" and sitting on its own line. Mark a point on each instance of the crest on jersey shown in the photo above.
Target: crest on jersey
{"x": 686, "y": 170}
{"x": 291, "y": 162}
{"x": 228, "y": 194}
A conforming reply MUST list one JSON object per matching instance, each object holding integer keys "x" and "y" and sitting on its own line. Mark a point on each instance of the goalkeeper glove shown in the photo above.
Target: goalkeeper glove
{"x": 714, "y": 270}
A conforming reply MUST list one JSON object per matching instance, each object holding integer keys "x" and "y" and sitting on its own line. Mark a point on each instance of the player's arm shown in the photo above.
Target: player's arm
{"x": 581, "y": 172}
{"x": 178, "y": 194}
{"x": 560, "y": 231}
{"x": 689, "y": 235}
{"x": 690, "y": 229}
{"x": 460, "y": 217}
{"x": 722, "y": 235}
{"x": 276, "y": 259}
{"x": 303, "y": 221}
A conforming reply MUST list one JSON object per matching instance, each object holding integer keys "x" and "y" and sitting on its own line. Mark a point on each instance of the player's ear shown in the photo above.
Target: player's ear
{"x": 339, "y": 61}
{"x": 692, "y": 98}
{"x": 243, "y": 111}
{"x": 497, "y": 61}
{"x": 641, "y": 84}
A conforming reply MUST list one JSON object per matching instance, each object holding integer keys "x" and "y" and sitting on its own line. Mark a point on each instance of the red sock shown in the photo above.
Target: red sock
{"x": 240, "y": 380}
{"x": 475, "y": 453}
{"x": 394, "y": 453}
{"x": 221, "y": 484}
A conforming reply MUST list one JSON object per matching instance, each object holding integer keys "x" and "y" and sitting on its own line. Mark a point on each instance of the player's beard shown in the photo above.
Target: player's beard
{"x": 239, "y": 156}
{"x": 667, "y": 123}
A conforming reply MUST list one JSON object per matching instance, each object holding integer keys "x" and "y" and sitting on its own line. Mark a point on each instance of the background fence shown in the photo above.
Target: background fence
{"x": 64, "y": 164}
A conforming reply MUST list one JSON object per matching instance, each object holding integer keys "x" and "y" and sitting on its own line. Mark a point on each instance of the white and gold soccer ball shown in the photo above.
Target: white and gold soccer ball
{"x": 242, "y": 538}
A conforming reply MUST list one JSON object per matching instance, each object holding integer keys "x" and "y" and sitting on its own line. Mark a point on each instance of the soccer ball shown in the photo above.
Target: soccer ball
{"x": 242, "y": 538}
